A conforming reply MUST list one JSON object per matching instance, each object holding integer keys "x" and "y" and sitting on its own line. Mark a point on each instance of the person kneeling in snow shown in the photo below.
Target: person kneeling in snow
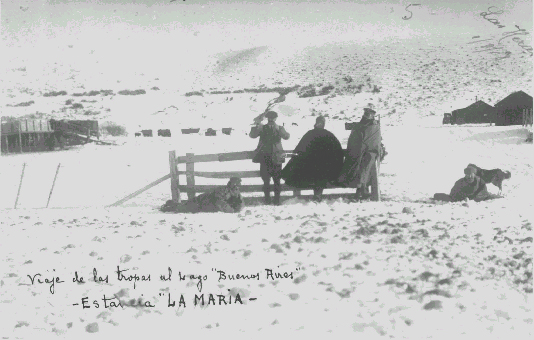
{"x": 225, "y": 199}
{"x": 469, "y": 187}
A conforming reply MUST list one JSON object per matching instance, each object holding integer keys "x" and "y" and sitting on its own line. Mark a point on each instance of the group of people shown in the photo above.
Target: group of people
{"x": 319, "y": 158}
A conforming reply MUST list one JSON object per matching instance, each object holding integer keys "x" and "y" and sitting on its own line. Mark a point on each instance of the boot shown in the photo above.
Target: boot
{"x": 267, "y": 198}
{"x": 276, "y": 198}
{"x": 365, "y": 193}
{"x": 317, "y": 195}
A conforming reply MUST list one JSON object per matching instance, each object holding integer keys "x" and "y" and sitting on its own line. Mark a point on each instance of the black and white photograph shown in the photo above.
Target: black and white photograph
{"x": 282, "y": 168}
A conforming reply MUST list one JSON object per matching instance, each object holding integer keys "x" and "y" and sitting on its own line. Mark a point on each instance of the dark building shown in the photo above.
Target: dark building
{"x": 478, "y": 112}
{"x": 510, "y": 110}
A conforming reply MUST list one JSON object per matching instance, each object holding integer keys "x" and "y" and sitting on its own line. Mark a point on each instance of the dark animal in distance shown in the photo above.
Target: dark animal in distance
{"x": 146, "y": 133}
{"x": 294, "y": 124}
{"x": 494, "y": 176}
{"x": 211, "y": 132}
{"x": 164, "y": 132}
{"x": 138, "y": 134}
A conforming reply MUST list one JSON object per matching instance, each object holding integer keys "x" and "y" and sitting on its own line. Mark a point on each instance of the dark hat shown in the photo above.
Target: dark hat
{"x": 369, "y": 112}
{"x": 271, "y": 114}
{"x": 320, "y": 119}
{"x": 470, "y": 170}
{"x": 234, "y": 181}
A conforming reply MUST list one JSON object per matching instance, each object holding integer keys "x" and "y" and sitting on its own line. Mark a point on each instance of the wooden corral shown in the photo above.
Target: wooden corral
{"x": 190, "y": 159}
{"x": 25, "y": 135}
{"x": 191, "y": 189}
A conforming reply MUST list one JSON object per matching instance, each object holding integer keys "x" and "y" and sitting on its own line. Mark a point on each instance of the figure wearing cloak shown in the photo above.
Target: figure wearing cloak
{"x": 318, "y": 161}
{"x": 363, "y": 148}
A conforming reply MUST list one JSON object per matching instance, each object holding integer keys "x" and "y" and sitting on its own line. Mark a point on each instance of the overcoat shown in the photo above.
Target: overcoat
{"x": 319, "y": 160}
{"x": 270, "y": 144}
{"x": 363, "y": 148}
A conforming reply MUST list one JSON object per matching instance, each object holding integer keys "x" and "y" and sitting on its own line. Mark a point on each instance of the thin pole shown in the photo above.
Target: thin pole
{"x": 20, "y": 184}
{"x": 53, "y": 183}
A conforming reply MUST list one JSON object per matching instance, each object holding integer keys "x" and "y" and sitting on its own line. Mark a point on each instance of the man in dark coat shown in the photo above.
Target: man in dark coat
{"x": 318, "y": 160}
{"x": 224, "y": 199}
{"x": 363, "y": 148}
{"x": 469, "y": 187}
{"x": 270, "y": 154}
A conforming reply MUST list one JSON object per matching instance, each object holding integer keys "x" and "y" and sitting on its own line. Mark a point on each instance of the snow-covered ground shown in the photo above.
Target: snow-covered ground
{"x": 367, "y": 268}
{"x": 403, "y": 268}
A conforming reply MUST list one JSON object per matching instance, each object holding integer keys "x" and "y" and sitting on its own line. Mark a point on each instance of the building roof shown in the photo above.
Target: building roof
{"x": 515, "y": 99}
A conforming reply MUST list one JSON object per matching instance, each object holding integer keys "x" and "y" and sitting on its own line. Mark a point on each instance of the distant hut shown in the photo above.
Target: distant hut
{"x": 478, "y": 112}
{"x": 510, "y": 110}
{"x": 446, "y": 118}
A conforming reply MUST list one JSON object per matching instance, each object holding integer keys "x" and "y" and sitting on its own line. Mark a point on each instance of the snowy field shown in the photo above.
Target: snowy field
{"x": 435, "y": 271}
{"x": 402, "y": 268}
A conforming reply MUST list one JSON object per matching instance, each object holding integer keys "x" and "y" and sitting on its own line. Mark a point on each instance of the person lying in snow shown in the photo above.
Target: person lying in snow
{"x": 470, "y": 187}
{"x": 225, "y": 199}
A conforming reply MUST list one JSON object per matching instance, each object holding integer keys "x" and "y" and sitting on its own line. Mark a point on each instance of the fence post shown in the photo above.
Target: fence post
{"x": 296, "y": 193}
{"x": 20, "y": 138}
{"x": 53, "y": 183}
{"x": 190, "y": 176}
{"x": 375, "y": 187}
{"x": 20, "y": 185}
{"x": 175, "y": 179}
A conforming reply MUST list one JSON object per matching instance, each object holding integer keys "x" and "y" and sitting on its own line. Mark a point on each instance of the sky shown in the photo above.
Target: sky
{"x": 193, "y": 29}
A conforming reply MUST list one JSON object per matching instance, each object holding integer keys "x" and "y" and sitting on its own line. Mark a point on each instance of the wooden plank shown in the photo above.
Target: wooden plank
{"x": 228, "y": 157}
{"x": 236, "y": 156}
{"x": 153, "y": 184}
{"x": 190, "y": 176}
{"x": 199, "y": 158}
{"x": 225, "y": 174}
{"x": 253, "y": 188}
{"x": 242, "y": 188}
{"x": 175, "y": 179}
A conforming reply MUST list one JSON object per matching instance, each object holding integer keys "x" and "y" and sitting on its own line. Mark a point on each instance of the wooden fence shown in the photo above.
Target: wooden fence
{"x": 191, "y": 188}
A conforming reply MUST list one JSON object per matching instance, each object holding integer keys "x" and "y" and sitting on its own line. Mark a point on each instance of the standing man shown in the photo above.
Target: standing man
{"x": 270, "y": 154}
{"x": 363, "y": 148}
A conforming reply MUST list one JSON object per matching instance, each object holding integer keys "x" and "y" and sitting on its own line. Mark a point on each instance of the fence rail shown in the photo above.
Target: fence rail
{"x": 191, "y": 188}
